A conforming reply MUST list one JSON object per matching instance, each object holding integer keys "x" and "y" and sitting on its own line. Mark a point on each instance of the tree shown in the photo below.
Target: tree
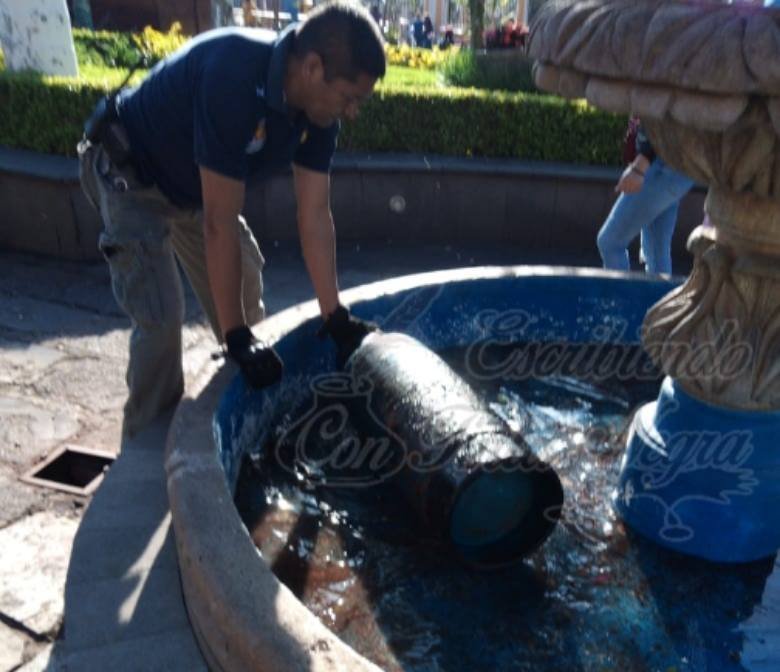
{"x": 82, "y": 14}
{"x": 477, "y": 17}
{"x": 221, "y": 13}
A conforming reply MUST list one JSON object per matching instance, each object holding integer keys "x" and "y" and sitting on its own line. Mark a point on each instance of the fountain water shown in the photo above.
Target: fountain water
{"x": 522, "y": 335}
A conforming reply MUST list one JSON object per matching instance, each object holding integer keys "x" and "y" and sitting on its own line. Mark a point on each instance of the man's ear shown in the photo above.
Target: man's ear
{"x": 313, "y": 68}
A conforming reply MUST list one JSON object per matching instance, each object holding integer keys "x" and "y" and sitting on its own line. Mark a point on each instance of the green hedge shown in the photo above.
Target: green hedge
{"x": 46, "y": 114}
{"x": 497, "y": 70}
{"x": 105, "y": 48}
{"x": 467, "y": 122}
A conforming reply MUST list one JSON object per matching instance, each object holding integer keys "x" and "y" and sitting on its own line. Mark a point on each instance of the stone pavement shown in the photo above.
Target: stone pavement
{"x": 63, "y": 345}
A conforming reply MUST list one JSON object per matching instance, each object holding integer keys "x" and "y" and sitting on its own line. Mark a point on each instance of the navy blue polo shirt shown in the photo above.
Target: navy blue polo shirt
{"x": 218, "y": 102}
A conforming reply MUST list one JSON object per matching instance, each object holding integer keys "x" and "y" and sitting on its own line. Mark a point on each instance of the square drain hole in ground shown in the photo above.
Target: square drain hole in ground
{"x": 72, "y": 469}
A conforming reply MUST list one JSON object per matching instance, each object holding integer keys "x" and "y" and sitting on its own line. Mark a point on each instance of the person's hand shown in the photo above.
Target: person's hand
{"x": 346, "y": 330}
{"x": 631, "y": 181}
{"x": 259, "y": 364}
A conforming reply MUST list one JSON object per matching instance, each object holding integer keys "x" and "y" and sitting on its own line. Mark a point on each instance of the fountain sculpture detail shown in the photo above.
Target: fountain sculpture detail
{"x": 701, "y": 468}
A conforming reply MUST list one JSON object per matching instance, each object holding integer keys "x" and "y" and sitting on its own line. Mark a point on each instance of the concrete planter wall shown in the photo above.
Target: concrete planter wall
{"x": 42, "y": 209}
{"x": 450, "y": 201}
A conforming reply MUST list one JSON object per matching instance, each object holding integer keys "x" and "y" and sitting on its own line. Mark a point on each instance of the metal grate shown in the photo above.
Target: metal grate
{"x": 73, "y": 469}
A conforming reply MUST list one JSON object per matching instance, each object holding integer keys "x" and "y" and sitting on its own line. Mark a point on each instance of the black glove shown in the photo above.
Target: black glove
{"x": 259, "y": 364}
{"x": 346, "y": 330}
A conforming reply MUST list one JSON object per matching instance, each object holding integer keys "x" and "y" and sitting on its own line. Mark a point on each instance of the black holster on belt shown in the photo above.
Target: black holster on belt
{"x": 105, "y": 128}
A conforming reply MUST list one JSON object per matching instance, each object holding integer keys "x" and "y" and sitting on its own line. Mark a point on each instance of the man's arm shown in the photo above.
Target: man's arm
{"x": 223, "y": 200}
{"x": 317, "y": 235}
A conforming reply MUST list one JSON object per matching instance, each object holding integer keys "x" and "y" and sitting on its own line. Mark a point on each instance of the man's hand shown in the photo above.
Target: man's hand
{"x": 346, "y": 330}
{"x": 259, "y": 364}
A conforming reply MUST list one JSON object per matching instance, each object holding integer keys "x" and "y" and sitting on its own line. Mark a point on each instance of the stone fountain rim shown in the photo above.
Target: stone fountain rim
{"x": 593, "y": 64}
{"x": 697, "y": 75}
{"x": 242, "y": 616}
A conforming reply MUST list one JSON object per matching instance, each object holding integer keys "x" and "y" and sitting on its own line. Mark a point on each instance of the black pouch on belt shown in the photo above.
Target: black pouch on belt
{"x": 105, "y": 128}
{"x": 104, "y": 114}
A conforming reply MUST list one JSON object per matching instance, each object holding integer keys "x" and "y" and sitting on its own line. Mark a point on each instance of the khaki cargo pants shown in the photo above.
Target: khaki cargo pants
{"x": 142, "y": 231}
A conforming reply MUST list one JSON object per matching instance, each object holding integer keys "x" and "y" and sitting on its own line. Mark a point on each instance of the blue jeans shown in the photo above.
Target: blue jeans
{"x": 651, "y": 212}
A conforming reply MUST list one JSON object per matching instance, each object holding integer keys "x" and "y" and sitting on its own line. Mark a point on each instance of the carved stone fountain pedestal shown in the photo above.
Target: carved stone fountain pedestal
{"x": 701, "y": 473}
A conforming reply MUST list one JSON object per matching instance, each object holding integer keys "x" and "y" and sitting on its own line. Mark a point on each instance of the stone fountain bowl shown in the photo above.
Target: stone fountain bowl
{"x": 243, "y": 617}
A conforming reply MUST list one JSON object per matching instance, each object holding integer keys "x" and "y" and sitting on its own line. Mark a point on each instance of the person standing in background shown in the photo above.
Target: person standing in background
{"x": 650, "y": 193}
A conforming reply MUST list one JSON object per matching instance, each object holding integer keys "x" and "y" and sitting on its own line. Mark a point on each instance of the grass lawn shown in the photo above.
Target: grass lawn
{"x": 399, "y": 76}
{"x": 112, "y": 76}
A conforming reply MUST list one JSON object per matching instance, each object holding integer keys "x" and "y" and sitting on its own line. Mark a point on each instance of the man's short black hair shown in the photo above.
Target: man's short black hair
{"x": 346, "y": 38}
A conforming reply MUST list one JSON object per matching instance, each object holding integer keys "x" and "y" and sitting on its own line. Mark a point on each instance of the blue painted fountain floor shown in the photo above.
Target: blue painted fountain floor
{"x": 594, "y": 597}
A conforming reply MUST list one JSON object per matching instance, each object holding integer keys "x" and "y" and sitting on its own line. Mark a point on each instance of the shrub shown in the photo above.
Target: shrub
{"x": 157, "y": 45}
{"x": 123, "y": 50}
{"x": 500, "y": 70}
{"x": 466, "y": 122}
{"x": 46, "y": 114}
{"x": 108, "y": 49}
{"x": 104, "y": 48}
{"x": 414, "y": 57}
